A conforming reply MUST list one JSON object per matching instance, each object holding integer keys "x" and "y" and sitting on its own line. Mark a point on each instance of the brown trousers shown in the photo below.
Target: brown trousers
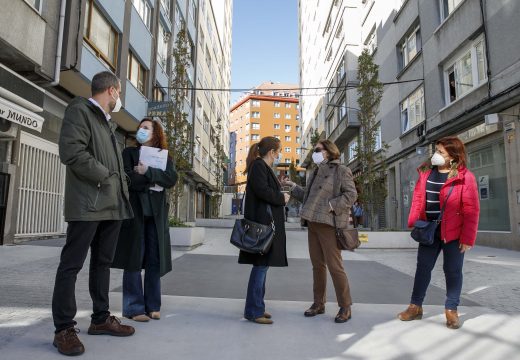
{"x": 325, "y": 254}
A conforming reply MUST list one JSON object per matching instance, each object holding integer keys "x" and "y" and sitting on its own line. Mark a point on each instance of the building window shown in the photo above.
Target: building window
{"x": 447, "y": 7}
{"x": 277, "y": 126}
{"x": 287, "y": 138}
{"x": 193, "y": 10}
{"x": 197, "y": 150}
{"x": 412, "y": 110}
{"x": 158, "y": 94}
{"x": 205, "y": 125}
{"x": 136, "y": 73}
{"x": 298, "y": 151}
{"x": 287, "y": 149}
{"x": 287, "y": 160}
{"x": 371, "y": 41}
{"x": 205, "y": 157}
{"x": 37, "y": 4}
{"x": 255, "y": 103}
{"x": 352, "y": 149}
{"x": 276, "y": 104}
{"x": 144, "y": 11}
{"x": 199, "y": 111}
{"x": 288, "y": 116}
{"x": 100, "y": 35}
{"x": 467, "y": 72}
{"x": 297, "y": 128}
{"x": 277, "y": 136}
{"x": 256, "y": 126}
{"x": 287, "y": 128}
{"x": 276, "y": 115}
{"x": 298, "y": 139}
{"x": 162, "y": 46}
{"x": 256, "y": 115}
{"x": 339, "y": 30}
{"x": 410, "y": 46}
{"x": 287, "y": 105}
{"x": 255, "y": 137}
{"x": 329, "y": 55}
{"x": 378, "y": 142}
{"x": 166, "y": 5}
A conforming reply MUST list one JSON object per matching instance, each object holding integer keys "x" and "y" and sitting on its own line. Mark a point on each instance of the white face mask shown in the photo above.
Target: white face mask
{"x": 438, "y": 160}
{"x": 317, "y": 157}
{"x": 118, "y": 105}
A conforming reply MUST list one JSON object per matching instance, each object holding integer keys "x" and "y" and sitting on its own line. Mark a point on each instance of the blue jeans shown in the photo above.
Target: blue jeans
{"x": 255, "y": 306}
{"x": 135, "y": 301}
{"x": 453, "y": 261}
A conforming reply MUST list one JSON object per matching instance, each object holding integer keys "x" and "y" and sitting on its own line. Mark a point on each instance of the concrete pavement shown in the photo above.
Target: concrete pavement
{"x": 203, "y": 304}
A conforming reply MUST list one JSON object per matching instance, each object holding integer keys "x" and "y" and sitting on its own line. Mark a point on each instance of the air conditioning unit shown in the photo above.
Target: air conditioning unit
{"x": 8, "y": 130}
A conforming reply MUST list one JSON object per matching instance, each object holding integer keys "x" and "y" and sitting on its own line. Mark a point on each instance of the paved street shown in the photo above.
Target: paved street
{"x": 203, "y": 304}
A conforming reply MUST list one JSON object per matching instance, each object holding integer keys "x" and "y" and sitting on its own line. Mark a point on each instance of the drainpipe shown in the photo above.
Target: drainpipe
{"x": 57, "y": 66}
{"x": 486, "y": 42}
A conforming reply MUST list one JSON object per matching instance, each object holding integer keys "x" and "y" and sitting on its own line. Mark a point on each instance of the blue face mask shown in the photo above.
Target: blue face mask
{"x": 143, "y": 135}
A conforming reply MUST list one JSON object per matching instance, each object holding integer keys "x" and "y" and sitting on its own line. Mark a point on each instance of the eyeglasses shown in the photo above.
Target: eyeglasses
{"x": 317, "y": 150}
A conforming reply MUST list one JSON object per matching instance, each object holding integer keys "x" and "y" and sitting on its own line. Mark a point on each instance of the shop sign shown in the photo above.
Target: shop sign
{"x": 19, "y": 115}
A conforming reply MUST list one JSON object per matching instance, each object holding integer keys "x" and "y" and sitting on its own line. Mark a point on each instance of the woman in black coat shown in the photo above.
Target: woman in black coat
{"x": 144, "y": 241}
{"x": 262, "y": 190}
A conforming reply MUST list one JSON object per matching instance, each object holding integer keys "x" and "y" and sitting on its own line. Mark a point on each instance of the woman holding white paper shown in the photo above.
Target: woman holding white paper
{"x": 144, "y": 241}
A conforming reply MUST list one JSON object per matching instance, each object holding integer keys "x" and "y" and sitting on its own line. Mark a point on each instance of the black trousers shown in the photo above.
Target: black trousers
{"x": 101, "y": 237}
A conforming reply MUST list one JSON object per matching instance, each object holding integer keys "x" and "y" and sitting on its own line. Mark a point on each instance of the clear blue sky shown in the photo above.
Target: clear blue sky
{"x": 265, "y": 43}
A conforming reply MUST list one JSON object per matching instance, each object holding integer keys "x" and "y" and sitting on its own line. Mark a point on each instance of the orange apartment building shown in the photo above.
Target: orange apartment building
{"x": 271, "y": 109}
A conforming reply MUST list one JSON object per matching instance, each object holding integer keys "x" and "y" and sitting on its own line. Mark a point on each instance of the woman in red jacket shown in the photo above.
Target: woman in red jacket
{"x": 458, "y": 228}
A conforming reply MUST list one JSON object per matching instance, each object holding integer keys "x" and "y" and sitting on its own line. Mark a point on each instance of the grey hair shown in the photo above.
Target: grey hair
{"x": 103, "y": 81}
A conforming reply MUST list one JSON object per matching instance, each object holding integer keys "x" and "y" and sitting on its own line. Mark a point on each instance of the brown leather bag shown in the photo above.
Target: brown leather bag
{"x": 346, "y": 238}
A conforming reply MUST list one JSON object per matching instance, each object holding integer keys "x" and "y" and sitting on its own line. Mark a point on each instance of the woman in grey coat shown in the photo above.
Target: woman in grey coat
{"x": 330, "y": 192}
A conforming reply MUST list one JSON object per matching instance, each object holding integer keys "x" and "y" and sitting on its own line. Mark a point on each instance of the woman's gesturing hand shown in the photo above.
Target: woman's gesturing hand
{"x": 286, "y": 181}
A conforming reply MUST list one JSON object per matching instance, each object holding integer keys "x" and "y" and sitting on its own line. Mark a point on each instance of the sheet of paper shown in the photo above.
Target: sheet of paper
{"x": 156, "y": 158}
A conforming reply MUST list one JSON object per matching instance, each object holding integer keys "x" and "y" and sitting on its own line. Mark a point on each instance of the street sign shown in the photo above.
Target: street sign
{"x": 158, "y": 108}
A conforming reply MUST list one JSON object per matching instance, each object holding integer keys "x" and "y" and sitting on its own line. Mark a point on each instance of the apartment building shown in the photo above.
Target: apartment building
{"x": 451, "y": 68}
{"x": 271, "y": 109}
{"x": 45, "y": 65}
{"x": 211, "y": 125}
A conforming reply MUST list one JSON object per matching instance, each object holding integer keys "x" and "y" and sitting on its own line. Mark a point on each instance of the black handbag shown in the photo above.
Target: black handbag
{"x": 346, "y": 238}
{"x": 252, "y": 237}
{"x": 424, "y": 231}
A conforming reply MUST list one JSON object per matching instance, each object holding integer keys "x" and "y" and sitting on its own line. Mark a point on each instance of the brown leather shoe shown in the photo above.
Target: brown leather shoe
{"x": 112, "y": 326}
{"x": 261, "y": 320}
{"x": 314, "y": 310}
{"x": 140, "y": 318}
{"x": 68, "y": 343}
{"x": 452, "y": 319}
{"x": 343, "y": 315}
{"x": 414, "y": 312}
{"x": 267, "y": 315}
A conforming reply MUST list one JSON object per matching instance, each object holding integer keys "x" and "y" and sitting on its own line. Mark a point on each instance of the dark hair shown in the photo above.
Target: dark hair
{"x": 261, "y": 149}
{"x": 455, "y": 148}
{"x": 103, "y": 81}
{"x": 331, "y": 148}
{"x": 158, "y": 136}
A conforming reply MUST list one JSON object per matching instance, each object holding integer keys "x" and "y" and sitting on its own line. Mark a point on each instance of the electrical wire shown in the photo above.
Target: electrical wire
{"x": 300, "y": 89}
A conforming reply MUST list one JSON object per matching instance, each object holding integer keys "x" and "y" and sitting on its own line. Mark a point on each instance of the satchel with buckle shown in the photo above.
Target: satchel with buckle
{"x": 424, "y": 231}
{"x": 346, "y": 238}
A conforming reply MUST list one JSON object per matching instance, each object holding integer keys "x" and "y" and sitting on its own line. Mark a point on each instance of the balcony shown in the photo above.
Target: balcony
{"x": 347, "y": 128}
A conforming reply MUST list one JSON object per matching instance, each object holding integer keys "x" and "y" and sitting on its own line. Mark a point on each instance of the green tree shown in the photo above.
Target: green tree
{"x": 371, "y": 179}
{"x": 293, "y": 173}
{"x": 178, "y": 128}
{"x": 220, "y": 161}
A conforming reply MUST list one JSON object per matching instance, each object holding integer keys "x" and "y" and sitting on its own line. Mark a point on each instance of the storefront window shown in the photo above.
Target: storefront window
{"x": 489, "y": 166}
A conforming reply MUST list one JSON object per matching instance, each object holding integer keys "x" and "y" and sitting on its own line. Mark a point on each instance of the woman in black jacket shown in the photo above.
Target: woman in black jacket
{"x": 144, "y": 241}
{"x": 262, "y": 190}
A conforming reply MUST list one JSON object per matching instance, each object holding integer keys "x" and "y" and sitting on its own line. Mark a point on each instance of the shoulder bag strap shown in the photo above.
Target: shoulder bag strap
{"x": 445, "y": 202}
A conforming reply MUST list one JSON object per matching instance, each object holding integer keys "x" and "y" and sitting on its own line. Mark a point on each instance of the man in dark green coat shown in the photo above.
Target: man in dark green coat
{"x": 96, "y": 203}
